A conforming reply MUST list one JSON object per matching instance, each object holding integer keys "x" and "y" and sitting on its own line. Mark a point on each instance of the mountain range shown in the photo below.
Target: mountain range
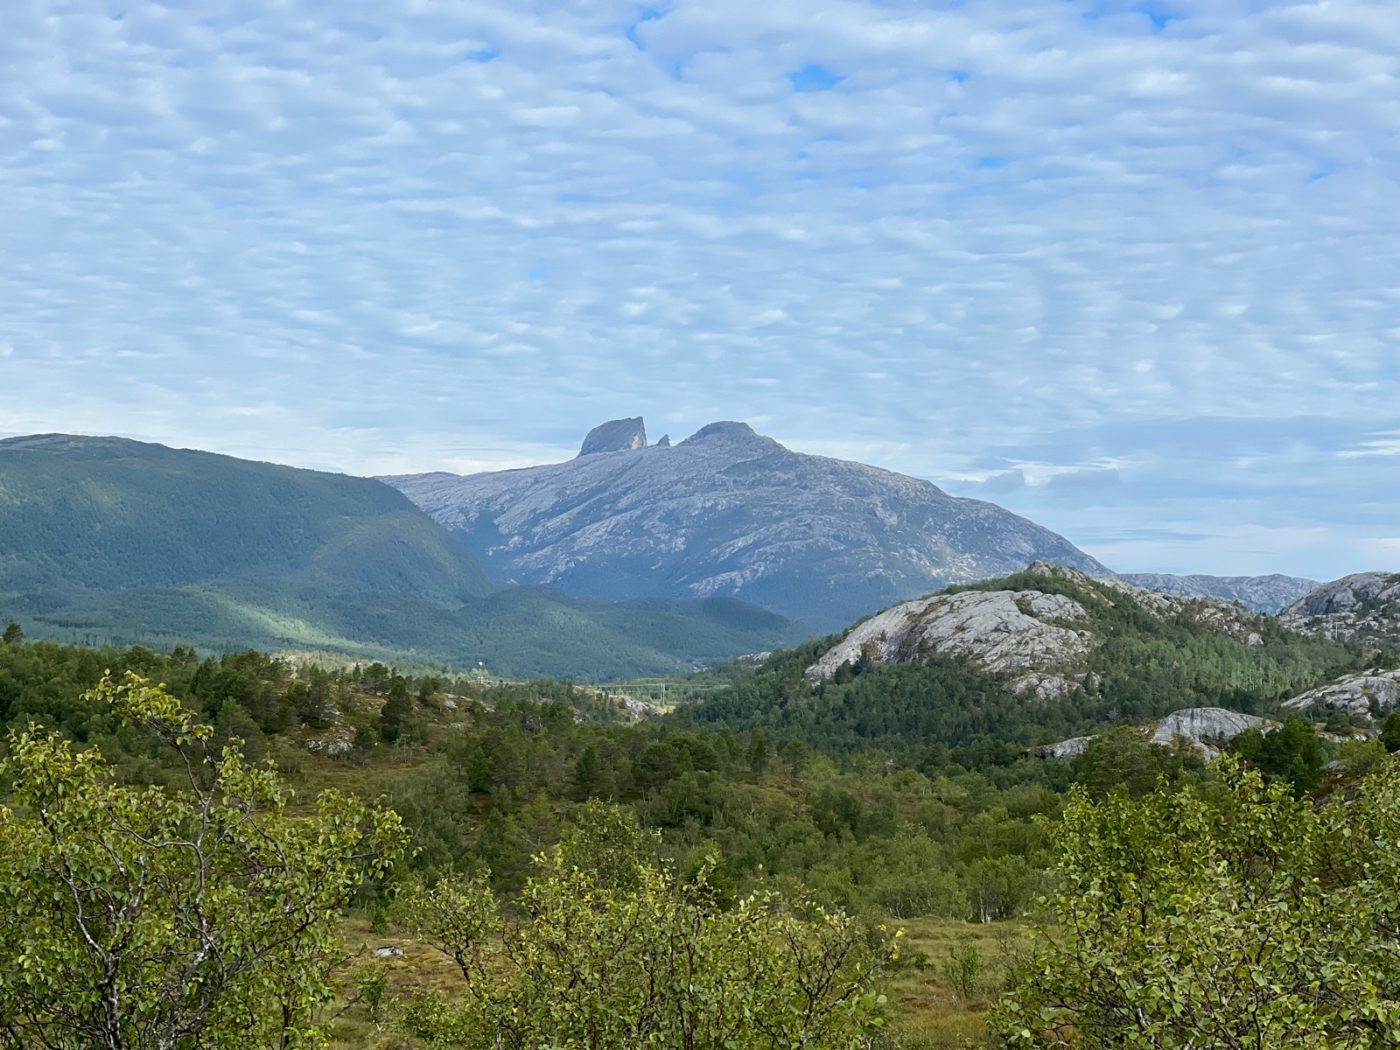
{"x": 730, "y": 512}
{"x": 632, "y": 558}
{"x": 1261, "y": 593}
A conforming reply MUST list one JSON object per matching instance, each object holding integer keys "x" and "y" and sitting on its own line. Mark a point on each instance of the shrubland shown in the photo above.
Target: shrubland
{"x": 555, "y": 851}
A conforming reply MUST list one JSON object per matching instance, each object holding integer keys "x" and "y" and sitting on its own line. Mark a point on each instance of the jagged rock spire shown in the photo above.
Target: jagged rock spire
{"x": 616, "y": 435}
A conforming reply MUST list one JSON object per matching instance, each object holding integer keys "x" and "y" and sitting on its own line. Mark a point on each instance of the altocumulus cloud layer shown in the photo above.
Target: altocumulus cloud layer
{"x": 1129, "y": 268}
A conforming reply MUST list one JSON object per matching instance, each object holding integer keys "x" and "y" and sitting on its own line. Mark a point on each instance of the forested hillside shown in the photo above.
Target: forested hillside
{"x": 104, "y": 540}
{"x": 81, "y": 514}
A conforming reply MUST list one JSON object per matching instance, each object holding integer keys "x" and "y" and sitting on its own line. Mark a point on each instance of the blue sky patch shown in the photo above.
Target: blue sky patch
{"x": 814, "y": 77}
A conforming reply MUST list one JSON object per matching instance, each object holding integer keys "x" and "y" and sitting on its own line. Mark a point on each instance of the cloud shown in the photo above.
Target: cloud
{"x": 1385, "y": 443}
{"x": 1085, "y": 478}
{"x": 1003, "y": 482}
{"x": 970, "y": 239}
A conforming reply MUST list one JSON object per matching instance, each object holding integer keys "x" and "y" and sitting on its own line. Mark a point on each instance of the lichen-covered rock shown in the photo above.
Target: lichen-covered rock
{"x": 1028, "y": 634}
{"x": 1367, "y": 694}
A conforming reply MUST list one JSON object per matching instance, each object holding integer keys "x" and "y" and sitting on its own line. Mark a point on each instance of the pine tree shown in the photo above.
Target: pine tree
{"x": 395, "y": 711}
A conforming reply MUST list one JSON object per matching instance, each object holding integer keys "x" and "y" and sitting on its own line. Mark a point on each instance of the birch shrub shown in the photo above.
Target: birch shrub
{"x": 141, "y": 918}
{"x": 1221, "y": 915}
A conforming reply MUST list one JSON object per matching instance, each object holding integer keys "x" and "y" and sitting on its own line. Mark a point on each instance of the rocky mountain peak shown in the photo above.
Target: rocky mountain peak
{"x": 726, "y": 430}
{"x": 616, "y": 435}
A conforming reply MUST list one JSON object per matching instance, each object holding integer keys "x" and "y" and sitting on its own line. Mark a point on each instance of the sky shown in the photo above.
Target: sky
{"x": 1131, "y": 269}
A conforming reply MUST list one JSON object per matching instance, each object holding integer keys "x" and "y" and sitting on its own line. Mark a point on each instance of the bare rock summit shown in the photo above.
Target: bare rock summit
{"x": 617, "y": 435}
{"x": 1033, "y": 636}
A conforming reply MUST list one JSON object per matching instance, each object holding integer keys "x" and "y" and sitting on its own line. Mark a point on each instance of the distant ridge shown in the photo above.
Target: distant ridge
{"x": 104, "y": 514}
{"x": 1261, "y": 593}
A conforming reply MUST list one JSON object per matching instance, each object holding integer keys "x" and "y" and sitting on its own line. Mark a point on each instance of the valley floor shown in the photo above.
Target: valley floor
{"x": 929, "y": 1011}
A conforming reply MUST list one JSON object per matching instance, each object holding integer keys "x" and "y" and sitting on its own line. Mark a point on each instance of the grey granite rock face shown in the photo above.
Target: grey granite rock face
{"x": 1066, "y": 749}
{"x": 617, "y": 435}
{"x": 1367, "y": 694}
{"x": 1267, "y": 594}
{"x": 1363, "y": 607}
{"x": 728, "y": 512}
{"x": 1204, "y": 730}
{"x": 1028, "y": 634}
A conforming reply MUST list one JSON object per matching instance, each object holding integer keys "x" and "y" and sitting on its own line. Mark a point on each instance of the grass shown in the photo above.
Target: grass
{"x": 927, "y": 1011}
{"x": 930, "y": 1011}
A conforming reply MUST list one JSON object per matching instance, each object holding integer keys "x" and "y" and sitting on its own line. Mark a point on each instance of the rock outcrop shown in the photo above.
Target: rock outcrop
{"x": 1204, "y": 730}
{"x": 1030, "y": 635}
{"x": 1367, "y": 694}
{"x": 1065, "y": 749}
{"x": 728, "y": 512}
{"x": 1363, "y": 607}
{"x": 617, "y": 435}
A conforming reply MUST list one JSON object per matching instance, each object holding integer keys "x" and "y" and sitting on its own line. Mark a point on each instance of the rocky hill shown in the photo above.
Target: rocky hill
{"x": 1040, "y": 640}
{"x": 1266, "y": 594}
{"x": 729, "y": 512}
{"x": 1364, "y": 607}
{"x": 1042, "y": 655}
